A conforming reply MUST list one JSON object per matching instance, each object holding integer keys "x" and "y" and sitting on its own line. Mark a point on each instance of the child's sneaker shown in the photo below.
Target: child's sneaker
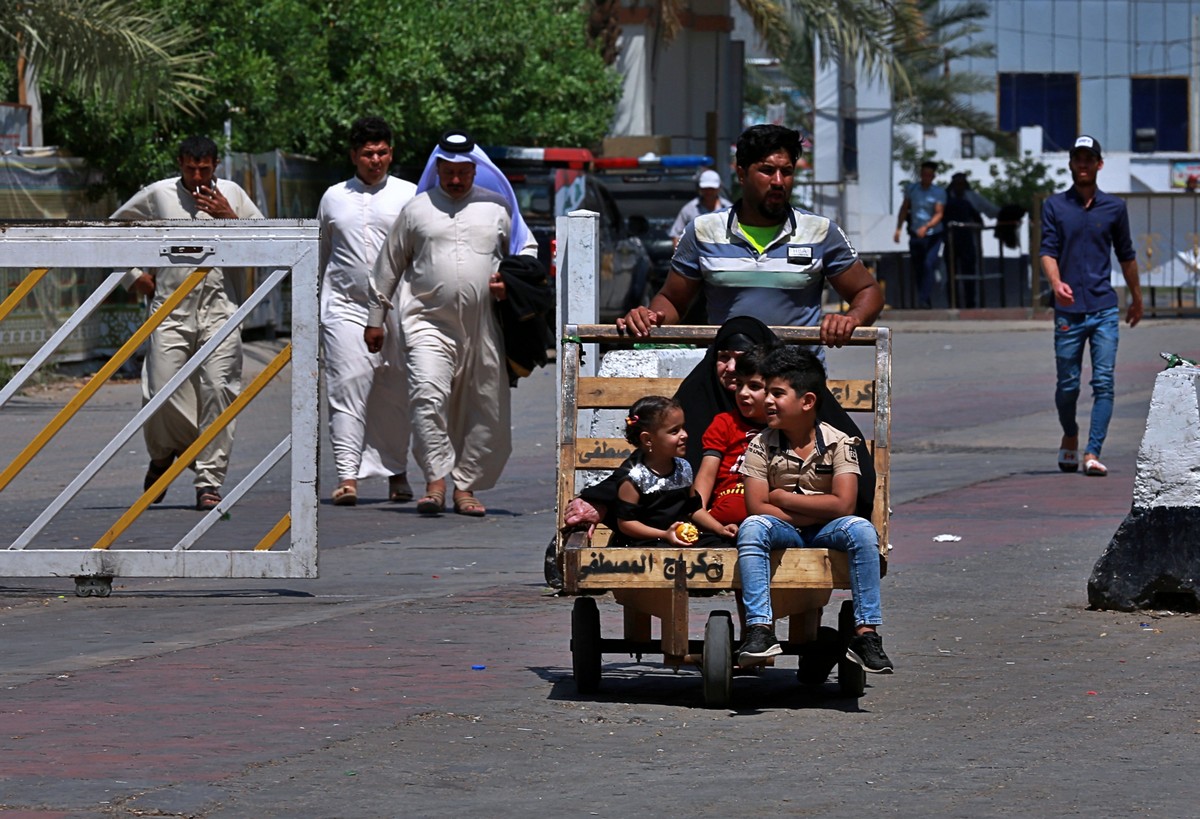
{"x": 759, "y": 646}
{"x": 866, "y": 649}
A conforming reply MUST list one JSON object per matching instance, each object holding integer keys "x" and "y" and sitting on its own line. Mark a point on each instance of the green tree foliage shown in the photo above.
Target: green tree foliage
{"x": 293, "y": 75}
{"x": 122, "y": 50}
{"x": 1020, "y": 180}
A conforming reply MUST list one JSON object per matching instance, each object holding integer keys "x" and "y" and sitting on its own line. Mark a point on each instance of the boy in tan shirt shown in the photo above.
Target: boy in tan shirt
{"x": 801, "y": 480}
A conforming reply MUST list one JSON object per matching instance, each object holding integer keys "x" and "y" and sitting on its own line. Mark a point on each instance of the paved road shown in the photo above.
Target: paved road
{"x": 355, "y": 695}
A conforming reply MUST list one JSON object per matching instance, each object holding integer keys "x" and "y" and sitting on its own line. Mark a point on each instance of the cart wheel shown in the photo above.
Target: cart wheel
{"x": 820, "y": 656}
{"x": 93, "y": 586}
{"x": 717, "y": 663}
{"x": 585, "y": 645}
{"x": 852, "y": 679}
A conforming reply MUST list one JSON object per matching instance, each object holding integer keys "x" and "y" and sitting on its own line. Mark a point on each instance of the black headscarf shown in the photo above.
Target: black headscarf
{"x": 702, "y": 397}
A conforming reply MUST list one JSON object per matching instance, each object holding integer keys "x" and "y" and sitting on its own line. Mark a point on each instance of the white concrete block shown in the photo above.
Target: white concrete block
{"x": 1168, "y": 465}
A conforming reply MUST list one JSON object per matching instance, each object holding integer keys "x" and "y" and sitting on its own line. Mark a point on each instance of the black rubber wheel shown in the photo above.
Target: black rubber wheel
{"x": 820, "y": 656}
{"x": 550, "y": 568}
{"x": 852, "y": 679}
{"x": 585, "y": 645}
{"x": 717, "y": 663}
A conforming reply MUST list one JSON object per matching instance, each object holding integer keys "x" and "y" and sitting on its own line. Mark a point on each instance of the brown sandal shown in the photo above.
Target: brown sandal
{"x": 470, "y": 506}
{"x": 434, "y": 503}
{"x": 207, "y": 499}
{"x": 345, "y": 495}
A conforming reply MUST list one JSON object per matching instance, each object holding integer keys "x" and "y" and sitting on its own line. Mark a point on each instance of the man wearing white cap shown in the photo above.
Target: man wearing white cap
{"x": 444, "y": 254}
{"x": 709, "y": 200}
{"x": 1081, "y": 229}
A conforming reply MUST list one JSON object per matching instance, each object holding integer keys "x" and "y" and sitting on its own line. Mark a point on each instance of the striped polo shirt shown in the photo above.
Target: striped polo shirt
{"x": 780, "y": 286}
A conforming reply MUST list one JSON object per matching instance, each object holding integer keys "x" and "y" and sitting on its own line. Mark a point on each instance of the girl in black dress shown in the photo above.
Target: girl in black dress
{"x": 655, "y": 492}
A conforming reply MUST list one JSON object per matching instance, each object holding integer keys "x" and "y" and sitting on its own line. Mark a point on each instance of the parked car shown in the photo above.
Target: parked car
{"x": 654, "y": 188}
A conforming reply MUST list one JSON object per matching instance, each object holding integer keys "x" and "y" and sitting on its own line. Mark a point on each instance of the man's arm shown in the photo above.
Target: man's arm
{"x": 902, "y": 219}
{"x": 679, "y": 225}
{"x": 939, "y": 210}
{"x": 823, "y": 507}
{"x": 758, "y": 502}
{"x": 138, "y": 206}
{"x": 1123, "y": 245}
{"x": 1063, "y": 294}
{"x": 1129, "y": 270}
{"x": 858, "y": 288}
{"x": 667, "y": 306}
{"x": 325, "y": 242}
{"x": 385, "y": 275}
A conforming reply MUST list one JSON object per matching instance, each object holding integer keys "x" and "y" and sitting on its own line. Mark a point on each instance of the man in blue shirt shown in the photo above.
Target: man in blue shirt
{"x": 922, "y": 210}
{"x": 1081, "y": 228}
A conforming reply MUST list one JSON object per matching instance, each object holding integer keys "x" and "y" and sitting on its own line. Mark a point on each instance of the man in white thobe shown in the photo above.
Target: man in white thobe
{"x": 367, "y": 392}
{"x": 194, "y": 194}
{"x": 444, "y": 255}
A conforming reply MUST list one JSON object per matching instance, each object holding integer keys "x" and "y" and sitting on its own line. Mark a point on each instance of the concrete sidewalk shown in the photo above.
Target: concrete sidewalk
{"x": 356, "y": 695}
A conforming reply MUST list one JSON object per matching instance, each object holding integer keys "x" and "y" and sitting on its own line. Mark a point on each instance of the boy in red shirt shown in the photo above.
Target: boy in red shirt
{"x": 718, "y": 480}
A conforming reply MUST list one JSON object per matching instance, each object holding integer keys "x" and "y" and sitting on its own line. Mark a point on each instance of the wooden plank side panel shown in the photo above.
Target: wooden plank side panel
{"x": 704, "y": 569}
{"x": 594, "y": 392}
{"x": 701, "y": 335}
{"x": 855, "y": 395}
{"x": 621, "y": 393}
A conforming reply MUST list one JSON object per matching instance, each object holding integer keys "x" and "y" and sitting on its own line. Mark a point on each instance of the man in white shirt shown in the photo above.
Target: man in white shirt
{"x": 439, "y": 268}
{"x": 367, "y": 391}
{"x": 708, "y": 200}
{"x": 194, "y": 194}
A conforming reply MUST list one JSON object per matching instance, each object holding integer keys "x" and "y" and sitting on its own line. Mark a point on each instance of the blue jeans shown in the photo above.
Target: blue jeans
{"x": 759, "y": 535}
{"x": 1100, "y": 330}
{"x": 923, "y": 255}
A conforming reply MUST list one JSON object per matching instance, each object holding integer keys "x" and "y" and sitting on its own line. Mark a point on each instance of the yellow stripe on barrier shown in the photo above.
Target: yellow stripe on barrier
{"x": 27, "y": 284}
{"x": 97, "y": 381}
{"x": 276, "y": 532}
{"x": 223, "y": 420}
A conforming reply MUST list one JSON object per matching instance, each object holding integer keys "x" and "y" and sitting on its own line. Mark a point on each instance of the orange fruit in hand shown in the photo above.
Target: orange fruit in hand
{"x": 687, "y": 532}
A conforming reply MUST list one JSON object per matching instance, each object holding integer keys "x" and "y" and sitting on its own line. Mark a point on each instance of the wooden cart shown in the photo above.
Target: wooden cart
{"x": 656, "y": 583}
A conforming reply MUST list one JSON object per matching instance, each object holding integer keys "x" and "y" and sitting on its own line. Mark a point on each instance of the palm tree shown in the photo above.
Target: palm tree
{"x": 861, "y": 30}
{"x": 121, "y": 50}
{"x": 936, "y": 95}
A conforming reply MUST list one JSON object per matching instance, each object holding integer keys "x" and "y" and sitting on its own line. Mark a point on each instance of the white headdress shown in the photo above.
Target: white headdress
{"x": 456, "y": 146}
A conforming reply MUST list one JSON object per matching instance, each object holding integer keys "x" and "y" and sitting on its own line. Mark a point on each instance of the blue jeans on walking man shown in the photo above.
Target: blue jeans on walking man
{"x": 923, "y": 255}
{"x": 1100, "y": 330}
{"x": 759, "y": 535}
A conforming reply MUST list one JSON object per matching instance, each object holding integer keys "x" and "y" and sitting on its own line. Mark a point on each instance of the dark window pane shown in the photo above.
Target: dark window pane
{"x": 1158, "y": 113}
{"x": 1048, "y": 100}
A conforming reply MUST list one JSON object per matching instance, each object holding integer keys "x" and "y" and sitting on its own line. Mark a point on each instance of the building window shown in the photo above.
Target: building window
{"x": 968, "y": 145}
{"x": 1158, "y": 113}
{"x": 1048, "y": 100}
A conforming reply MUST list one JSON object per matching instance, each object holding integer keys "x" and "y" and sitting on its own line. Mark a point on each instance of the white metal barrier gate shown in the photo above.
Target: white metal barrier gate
{"x": 285, "y": 248}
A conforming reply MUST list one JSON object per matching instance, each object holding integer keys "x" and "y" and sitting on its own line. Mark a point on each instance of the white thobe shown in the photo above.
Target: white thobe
{"x": 214, "y": 386}
{"x": 368, "y": 393}
{"x": 441, "y": 254}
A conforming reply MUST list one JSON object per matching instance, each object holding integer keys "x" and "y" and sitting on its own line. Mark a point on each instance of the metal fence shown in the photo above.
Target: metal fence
{"x": 176, "y": 544}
